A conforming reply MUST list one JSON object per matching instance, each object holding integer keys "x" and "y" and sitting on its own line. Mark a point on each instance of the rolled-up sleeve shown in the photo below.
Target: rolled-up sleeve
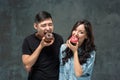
{"x": 88, "y": 66}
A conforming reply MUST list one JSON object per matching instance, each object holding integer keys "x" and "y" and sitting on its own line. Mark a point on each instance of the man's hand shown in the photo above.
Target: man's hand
{"x": 43, "y": 43}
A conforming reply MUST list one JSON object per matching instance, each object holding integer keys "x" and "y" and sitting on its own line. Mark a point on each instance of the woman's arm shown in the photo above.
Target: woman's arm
{"x": 77, "y": 65}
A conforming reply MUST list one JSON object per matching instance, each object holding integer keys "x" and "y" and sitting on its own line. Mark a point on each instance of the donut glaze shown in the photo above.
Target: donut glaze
{"x": 48, "y": 37}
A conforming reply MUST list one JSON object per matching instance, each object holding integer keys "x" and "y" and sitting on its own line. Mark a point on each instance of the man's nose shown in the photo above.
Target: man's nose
{"x": 48, "y": 28}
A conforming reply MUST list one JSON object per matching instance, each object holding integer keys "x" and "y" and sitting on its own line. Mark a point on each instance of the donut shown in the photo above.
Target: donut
{"x": 48, "y": 37}
{"x": 73, "y": 40}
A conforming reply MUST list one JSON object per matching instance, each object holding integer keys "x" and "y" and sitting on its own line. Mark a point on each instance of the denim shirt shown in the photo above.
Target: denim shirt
{"x": 67, "y": 70}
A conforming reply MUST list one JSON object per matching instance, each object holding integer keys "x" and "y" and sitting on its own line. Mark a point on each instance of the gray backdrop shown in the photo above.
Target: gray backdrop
{"x": 16, "y": 22}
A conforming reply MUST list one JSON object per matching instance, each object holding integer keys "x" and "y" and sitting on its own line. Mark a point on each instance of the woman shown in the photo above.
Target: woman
{"x": 77, "y": 60}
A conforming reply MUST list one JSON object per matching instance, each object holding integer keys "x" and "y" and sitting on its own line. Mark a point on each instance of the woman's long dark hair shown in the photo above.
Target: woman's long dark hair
{"x": 86, "y": 47}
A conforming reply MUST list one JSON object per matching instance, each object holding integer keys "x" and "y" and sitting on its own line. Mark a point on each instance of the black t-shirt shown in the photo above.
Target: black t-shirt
{"x": 47, "y": 64}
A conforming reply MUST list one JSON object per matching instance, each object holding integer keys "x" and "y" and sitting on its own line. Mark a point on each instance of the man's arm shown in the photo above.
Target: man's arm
{"x": 29, "y": 60}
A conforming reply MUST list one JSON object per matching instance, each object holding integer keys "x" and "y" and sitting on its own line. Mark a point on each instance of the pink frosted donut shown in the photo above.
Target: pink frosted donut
{"x": 73, "y": 40}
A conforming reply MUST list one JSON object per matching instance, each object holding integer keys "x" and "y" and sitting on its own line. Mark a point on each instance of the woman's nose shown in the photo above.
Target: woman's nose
{"x": 76, "y": 33}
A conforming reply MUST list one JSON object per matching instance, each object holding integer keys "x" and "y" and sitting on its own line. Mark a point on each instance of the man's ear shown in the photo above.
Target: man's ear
{"x": 35, "y": 25}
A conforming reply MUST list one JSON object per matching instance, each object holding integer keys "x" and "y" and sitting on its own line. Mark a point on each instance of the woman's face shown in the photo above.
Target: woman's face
{"x": 80, "y": 33}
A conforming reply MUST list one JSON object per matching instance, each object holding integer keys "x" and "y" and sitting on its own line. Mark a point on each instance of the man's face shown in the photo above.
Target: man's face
{"x": 44, "y": 26}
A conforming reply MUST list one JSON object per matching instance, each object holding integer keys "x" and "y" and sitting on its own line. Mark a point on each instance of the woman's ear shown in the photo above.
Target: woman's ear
{"x": 86, "y": 37}
{"x": 35, "y": 25}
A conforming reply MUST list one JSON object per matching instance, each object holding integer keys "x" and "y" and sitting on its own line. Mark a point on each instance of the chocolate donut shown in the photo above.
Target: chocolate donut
{"x": 48, "y": 37}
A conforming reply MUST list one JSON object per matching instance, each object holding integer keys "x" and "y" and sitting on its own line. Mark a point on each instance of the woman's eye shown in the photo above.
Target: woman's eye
{"x": 81, "y": 32}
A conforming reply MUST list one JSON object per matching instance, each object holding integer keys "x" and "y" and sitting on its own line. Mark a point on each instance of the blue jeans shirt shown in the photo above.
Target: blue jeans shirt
{"x": 67, "y": 70}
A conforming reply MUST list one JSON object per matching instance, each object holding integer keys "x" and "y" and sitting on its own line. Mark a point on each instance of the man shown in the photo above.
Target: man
{"x": 41, "y": 59}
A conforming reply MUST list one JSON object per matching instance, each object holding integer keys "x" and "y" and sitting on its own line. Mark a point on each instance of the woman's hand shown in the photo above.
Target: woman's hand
{"x": 74, "y": 48}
